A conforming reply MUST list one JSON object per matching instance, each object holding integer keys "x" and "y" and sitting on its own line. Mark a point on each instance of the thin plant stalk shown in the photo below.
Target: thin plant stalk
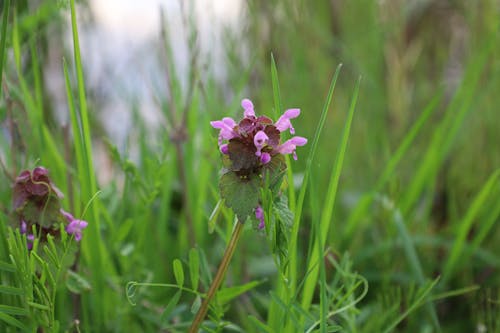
{"x": 219, "y": 276}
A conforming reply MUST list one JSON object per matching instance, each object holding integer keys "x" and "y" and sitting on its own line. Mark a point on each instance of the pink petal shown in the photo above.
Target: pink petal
{"x": 248, "y": 107}
{"x": 292, "y": 113}
{"x": 289, "y": 146}
{"x": 260, "y": 139}
{"x": 67, "y": 215}
{"x": 265, "y": 158}
{"x": 224, "y": 149}
{"x": 259, "y": 214}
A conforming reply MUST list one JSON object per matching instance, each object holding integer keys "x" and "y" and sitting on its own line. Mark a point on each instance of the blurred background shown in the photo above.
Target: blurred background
{"x": 430, "y": 66}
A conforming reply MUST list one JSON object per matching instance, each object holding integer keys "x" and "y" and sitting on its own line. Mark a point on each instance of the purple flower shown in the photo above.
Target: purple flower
{"x": 33, "y": 186}
{"x": 226, "y": 126}
{"x": 257, "y": 135}
{"x": 284, "y": 122}
{"x": 265, "y": 158}
{"x": 75, "y": 226}
{"x": 290, "y": 145}
{"x": 248, "y": 106}
{"x": 24, "y": 227}
{"x": 30, "y": 239}
{"x": 260, "y": 140}
{"x": 224, "y": 149}
{"x": 259, "y": 214}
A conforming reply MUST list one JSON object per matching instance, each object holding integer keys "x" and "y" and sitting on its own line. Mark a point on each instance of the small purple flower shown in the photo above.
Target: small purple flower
{"x": 224, "y": 149}
{"x": 30, "y": 239}
{"x": 265, "y": 158}
{"x": 284, "y": 122}
{"x": 24, "y": 227}
{"x": 248, "y": 106}
{"x": 290, "y": 145}
{"x": 259, "y": 214}
{"x": 226, "y": 126}
{"x": 75, "y": 226}
{"x": 260, "y": 140}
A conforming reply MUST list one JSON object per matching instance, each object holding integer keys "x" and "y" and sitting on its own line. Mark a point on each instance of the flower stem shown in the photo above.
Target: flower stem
{"x": 219, "y": 276}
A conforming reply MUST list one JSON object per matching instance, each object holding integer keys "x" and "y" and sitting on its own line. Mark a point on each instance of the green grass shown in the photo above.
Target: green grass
{"x": 394, "y": 198}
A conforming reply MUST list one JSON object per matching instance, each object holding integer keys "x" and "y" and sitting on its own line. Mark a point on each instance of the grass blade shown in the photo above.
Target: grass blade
{"x": 415, "y": 264}
{"x": 3, "y": 39}
{"x": 365, "y": 202}
{"x": 413, "y": 306}
{"x": 466, "y": 224}
{"x": 326, "y": 216}
{"x": 288, "y": 287}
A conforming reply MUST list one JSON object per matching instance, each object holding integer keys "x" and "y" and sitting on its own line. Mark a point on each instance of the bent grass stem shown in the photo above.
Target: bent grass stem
{"x": 219, "y": 276}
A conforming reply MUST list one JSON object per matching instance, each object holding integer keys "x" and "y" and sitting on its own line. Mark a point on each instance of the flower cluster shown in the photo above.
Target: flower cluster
{"x": 261, "y": 132}
{"x": 36, "y": 202}
{"x": 253, "y": 143}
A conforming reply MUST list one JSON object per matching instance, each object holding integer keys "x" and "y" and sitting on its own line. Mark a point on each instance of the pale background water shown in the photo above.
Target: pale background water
{"x": 124, "y": 58}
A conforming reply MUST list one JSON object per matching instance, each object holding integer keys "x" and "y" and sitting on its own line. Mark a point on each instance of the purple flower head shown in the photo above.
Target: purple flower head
{"x": 259, "y": 214}
{"x": 256, "y": 135}
{"x": 33, "y": 186}
{"x": 36, "y": 201}
{"x": 75, "y": 226}
{"x": 253, "y": 158}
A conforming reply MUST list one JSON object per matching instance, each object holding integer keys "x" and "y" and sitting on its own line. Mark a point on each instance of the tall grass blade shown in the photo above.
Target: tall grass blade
{"x": 416, "y": 303}
{"x": 293, "y": 251}
{"x": 414, "y": 262}
{"x": 92, "y": 245}
{"x": 444, "y": 136}
{"x": 3, "y": 39}
{"x": 364, "y": 203}
{"x": 327, "y": 210}
{"x": 289, "y": 287}
{"x": 465, "y": 225}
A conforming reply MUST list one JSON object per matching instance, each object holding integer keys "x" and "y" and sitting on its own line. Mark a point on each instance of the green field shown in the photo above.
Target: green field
{"x": 386, "y": 222}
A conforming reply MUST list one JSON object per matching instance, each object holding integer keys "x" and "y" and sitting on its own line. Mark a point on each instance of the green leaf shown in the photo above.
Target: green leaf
{"x": 8, "y": 290}
{"x": 283, "y": 212}
{"x": 45, "y": 213}
{"x": 282, "y": 229}
{"x": 13, "y": 322}
{"x": 273, "y": 173}
{"x": 227, "y": 294}
{"x": 77, "y": 283}
{"x": 241, "y": 193}
{"x": 7, "y": 267}
{"x": 38, "y": 306}
{"x": 194, "y": 268}
{"x": 178, "y": 272}
{"x": 13, "y": 310}
{"x": 170, "y": 306}
{"x": 213, "y": 217}
{"x": 196, "y": 305}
